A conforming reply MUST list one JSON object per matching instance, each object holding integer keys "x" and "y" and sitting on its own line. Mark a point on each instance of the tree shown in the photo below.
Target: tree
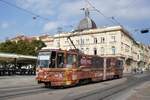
{"x": 8, "y": 46}
{"x": 38, "y": 44}
{"x": 24, "y": 47}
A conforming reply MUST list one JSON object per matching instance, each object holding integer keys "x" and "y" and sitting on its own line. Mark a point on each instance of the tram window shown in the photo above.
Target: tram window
{"x": 60, "y": 60}
{"x": 97, "y": 62}
{"x": 108, "y": 63}
{"x": 52, "y": 60}
{"x": 101, "y": 62}
{"x": 43, "y": 60}
{"x": 71, "y": 60}
{"x": 119, "y": 63}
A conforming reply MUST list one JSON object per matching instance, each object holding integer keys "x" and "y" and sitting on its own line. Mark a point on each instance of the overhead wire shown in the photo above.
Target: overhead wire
{"x": 94, "y": 8}
{"x": 25, "y": 10}
{"x": 29, "y": 12}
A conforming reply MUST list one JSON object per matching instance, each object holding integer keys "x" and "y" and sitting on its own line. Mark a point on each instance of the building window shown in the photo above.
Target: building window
{"x": 95, "y": 51}
{"x": 138, "y": 56}
{"x": 113, "y": 49}
{"x": 102, "y": 50}
{"x": 102, "y": 40}
{"x": 82, "y": 49}
{"x": 82, "y": 41}
{"x": 66, "y": 42}
{"x": 77, "y": 41}
{"x": 87, "y": 40}
{"x": 58, "y": 44}
{"x": 87, "y": 50}
{"x": 113, "y": 38}
{"x": 127, "y": 48}
{"x": 121, "y": 46}
{"x": 95, "y": 40}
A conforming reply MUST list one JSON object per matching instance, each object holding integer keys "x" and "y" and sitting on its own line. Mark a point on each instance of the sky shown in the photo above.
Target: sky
{"x": 133, "y": 15}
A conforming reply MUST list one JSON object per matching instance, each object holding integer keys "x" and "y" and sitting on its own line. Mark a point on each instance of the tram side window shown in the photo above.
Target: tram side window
{"x": 97, "y": 62}
{"x": 108, "y": 62}
{"x": 111, "y": 62}
{"x": 101, "y": 62}
{"x": 60, "y": 60}
{"x": 119, "y": 63}
{"x": 71, "y": 60}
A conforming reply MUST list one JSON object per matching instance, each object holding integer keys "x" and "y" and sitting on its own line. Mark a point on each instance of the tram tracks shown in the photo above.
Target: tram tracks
{"x": 130, "y": 84}
{"x": 107, "y": 93}
{"x": 7, "y": 93}
{"x": 104, "y": 93}
{"x": 13, "y": 87}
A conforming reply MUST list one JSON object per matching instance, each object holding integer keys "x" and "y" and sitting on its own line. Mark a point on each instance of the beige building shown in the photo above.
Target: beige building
{"x": 112, "y": 41}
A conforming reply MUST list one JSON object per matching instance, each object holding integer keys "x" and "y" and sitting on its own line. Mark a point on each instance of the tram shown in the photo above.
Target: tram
{"x": 56, "y": 67}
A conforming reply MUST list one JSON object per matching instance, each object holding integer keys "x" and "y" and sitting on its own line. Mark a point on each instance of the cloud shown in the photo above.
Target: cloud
{"x": 43, "y": 7}
{"x": 4, "y": 25}
{"x": 67, "y": 12}
{"x": 70, "y": 9}
{"x": 50, "y": 26}
{"x": 124, "y": 9}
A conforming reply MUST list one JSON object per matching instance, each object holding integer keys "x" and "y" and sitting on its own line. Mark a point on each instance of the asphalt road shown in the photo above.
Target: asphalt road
{"x": 17, "y": 86}
{"x": 26, "y": 88}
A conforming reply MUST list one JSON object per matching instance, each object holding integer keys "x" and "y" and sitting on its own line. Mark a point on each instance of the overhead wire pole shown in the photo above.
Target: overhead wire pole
{"x": 24, "y": 10}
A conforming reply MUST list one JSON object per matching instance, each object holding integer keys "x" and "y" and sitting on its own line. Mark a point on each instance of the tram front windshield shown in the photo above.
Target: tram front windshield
{"x": 51, "y": 59}
{"x": 43, "y": 59}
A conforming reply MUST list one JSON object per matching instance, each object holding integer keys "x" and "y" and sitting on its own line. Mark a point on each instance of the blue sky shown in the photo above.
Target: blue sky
{"x": 132, "y": 14}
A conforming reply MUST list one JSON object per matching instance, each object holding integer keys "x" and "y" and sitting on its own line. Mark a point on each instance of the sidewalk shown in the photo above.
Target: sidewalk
{"x": 141, "y": 93}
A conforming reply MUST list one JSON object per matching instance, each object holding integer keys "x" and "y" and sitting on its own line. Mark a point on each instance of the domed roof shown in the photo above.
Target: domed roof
{"x": 86, "y": 23}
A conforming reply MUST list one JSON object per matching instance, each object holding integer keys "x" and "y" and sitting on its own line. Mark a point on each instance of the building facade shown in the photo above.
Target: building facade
{"x": 107, "y": 42}
{"x": 114, "y": 41}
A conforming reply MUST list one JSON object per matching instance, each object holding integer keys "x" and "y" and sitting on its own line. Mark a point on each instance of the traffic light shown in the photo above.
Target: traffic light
{"x": 144, "y": 31}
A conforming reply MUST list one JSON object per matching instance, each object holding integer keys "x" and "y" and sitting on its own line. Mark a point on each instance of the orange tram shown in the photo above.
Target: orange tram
{"x": 57, "y": 67}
